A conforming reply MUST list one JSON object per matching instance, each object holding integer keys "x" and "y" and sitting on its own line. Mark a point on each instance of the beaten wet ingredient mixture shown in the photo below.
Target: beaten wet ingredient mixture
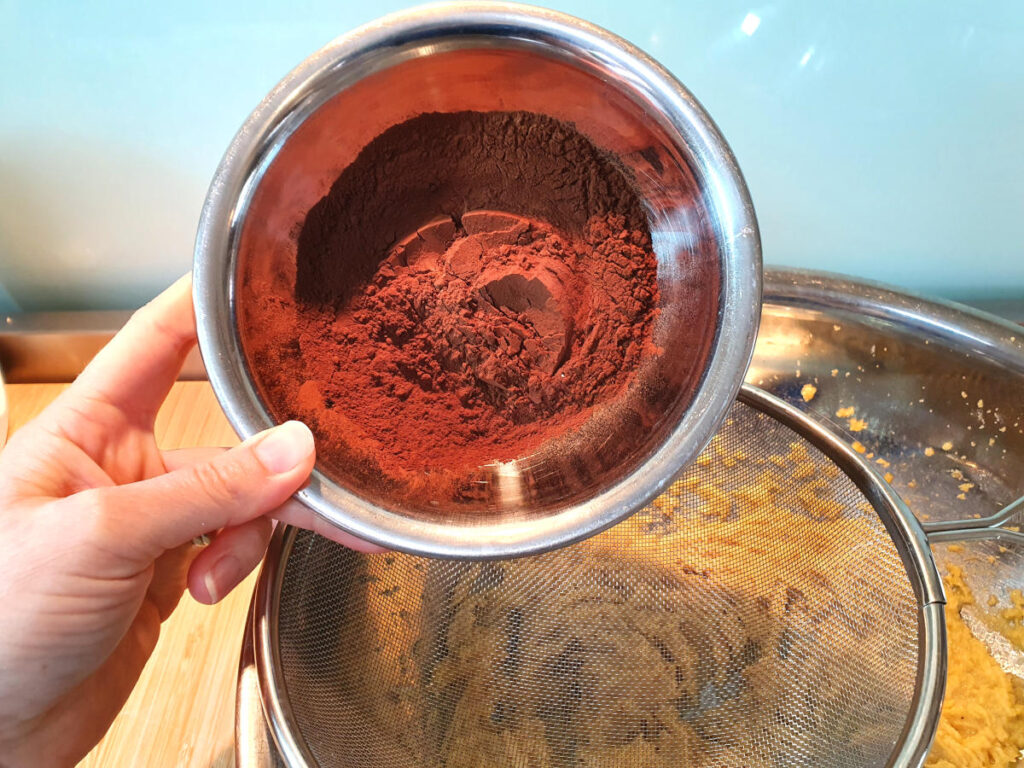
{"x": 982, "y": 722}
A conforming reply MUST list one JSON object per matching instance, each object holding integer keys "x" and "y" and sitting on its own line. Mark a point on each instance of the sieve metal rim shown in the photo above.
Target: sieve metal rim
{"x": 912, "y": 545}
{"x": 907, "y": 535}
{"x": 303, "y": 90}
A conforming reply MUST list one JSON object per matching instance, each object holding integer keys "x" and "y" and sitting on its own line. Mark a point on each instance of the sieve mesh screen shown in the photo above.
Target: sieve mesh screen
{"x": 757, "y": 614}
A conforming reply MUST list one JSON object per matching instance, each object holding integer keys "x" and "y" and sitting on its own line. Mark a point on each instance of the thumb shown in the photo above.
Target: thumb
{"x": 241, "y": 484}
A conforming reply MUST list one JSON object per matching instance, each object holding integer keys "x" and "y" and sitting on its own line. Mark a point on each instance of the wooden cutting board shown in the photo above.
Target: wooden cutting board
{"x": 182, "y": 710}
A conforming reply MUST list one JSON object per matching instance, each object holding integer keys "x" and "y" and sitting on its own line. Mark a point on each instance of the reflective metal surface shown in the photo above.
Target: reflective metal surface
{"x": 495, "y": 57}
{"x": 254, "y": 746}
{"x": 1001, "y": 649}
{"x": 814, "y": 324}
{"x": 935, "y": 392}
{"x": 931, "y": 391}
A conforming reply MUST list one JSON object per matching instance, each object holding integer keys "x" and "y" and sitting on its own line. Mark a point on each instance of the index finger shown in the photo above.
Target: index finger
{"x": 135, "y": 370}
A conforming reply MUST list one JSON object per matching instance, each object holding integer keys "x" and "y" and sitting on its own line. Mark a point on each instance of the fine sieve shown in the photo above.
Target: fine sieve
{"x": 778, "y": 605}
{"x": 496, "y": 57}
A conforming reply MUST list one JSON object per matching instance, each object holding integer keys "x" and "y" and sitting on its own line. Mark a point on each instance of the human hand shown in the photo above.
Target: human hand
{"x": 97, "y": 528}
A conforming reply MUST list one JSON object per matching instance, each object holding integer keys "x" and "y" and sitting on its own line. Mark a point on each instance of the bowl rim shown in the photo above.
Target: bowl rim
{"x": 712, "y": 163}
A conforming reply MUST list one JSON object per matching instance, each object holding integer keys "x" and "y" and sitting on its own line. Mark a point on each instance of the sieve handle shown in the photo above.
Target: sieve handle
{"x": 992, "y": 527}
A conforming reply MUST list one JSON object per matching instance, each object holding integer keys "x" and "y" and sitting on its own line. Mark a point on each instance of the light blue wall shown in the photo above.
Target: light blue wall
{"x": 883, "y": 139}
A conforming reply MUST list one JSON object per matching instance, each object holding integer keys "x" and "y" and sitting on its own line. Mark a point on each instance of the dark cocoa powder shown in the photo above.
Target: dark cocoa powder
{"x": 473, "y": 285}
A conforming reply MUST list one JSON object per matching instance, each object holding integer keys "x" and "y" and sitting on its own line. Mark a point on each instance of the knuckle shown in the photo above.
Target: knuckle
{"x": 224, "y": 482}
{"x": 153, "y": 321}
{"x": 141, "y": 318}
{"x": 96, "y": 516}
{"x": 138, "y": 316}
{"x": 93, "y": 503}
{"x": 259, "y": 533}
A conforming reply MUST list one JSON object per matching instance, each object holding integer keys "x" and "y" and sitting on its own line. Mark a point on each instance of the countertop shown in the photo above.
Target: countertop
{"x": 181, "y": 713}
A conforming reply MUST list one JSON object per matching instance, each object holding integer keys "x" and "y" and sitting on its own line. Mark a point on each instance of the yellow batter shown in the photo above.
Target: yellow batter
{"x": 1012, "y": 619}
{"x": 982, "y": 723}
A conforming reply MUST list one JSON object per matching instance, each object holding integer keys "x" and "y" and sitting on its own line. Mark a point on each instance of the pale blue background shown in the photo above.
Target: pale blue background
{"x": 883, "y": 139}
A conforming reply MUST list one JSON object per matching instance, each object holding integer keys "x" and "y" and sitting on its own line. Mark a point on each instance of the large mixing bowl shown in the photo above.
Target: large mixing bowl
{"x": 496, "y": 57}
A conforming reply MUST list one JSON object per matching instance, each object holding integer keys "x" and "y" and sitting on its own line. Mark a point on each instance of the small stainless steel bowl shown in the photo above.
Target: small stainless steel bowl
{"x": 453, "y": 57}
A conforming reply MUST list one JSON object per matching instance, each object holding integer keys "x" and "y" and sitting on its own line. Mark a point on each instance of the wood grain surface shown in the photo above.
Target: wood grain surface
{"x": 182, "y": 710}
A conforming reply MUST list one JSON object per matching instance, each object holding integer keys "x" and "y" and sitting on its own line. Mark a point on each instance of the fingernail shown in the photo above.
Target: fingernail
{"x": 285, "y": 447}
{"x": 222, "y": 577}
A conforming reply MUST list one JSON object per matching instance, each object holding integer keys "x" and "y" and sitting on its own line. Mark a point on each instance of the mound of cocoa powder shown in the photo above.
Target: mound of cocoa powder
{"x": 472, "y": 286}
